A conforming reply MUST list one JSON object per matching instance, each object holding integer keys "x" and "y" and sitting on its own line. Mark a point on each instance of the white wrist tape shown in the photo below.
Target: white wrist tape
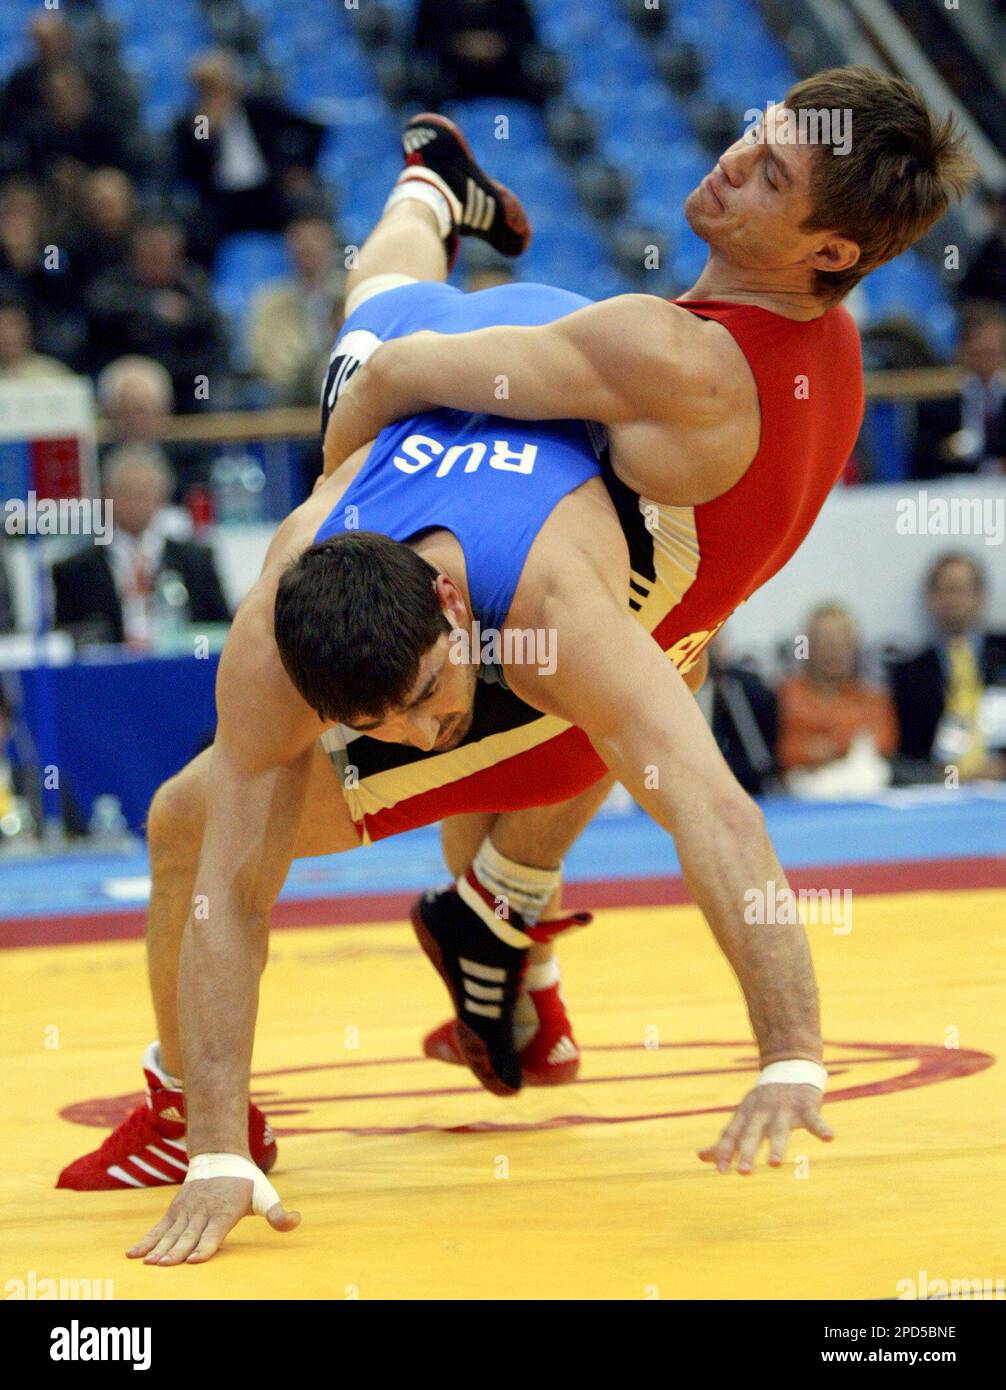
{"x": 796, "y": 1072}
{"x": 264, "y": 1195}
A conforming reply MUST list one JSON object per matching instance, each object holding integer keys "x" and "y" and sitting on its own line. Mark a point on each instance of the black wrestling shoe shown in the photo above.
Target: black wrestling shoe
{"x": 479, "y": 205}
{"x": 482, "y": 958}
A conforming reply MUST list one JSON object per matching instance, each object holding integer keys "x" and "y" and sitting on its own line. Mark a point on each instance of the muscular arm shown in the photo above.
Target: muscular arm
{"x": 615, "y": 362}
{"x": 613, "y": 681}
{"x": 257, "y": 782}
{"x": 252, "y": 817}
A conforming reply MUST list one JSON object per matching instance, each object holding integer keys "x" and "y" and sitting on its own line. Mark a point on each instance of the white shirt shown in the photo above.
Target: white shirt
{"x": 239, "y": 160}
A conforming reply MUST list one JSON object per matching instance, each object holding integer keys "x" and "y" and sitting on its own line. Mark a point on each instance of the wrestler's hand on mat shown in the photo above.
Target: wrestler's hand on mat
{"x": 199, "y": 1219}
{"x": 767, "y": 1112}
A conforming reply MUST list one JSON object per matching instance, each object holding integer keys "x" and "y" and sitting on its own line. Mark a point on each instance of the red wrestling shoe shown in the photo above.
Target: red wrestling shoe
{"x": 148, "y": 1147}
{"x": 551, "y": 1058}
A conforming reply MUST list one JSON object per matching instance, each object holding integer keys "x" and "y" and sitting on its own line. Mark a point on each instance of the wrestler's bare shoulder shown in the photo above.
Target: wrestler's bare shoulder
{"x": 704, "y": 429}
{"x": 253, "y": 688}
{"x": 561, "y": 568}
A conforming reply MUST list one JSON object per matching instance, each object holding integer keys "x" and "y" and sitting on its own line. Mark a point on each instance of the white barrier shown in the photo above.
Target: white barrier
{"x": 859, "y": 552}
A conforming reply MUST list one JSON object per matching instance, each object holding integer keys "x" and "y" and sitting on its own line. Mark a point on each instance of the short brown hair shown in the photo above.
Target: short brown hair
{"x": 904, "y": 166}
{"x": 354, "y": 615}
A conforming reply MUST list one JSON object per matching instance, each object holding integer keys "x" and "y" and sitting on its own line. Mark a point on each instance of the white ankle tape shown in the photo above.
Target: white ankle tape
{"x": 423, "y": 186}
{"x": 526, "y": 889}
{"x": 798, "y": 1071}
{"x": 222, "y": 1165}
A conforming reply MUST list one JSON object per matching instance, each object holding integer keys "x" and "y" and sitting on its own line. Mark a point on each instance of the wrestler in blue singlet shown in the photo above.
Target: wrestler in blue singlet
{"x": 490, "y": 481}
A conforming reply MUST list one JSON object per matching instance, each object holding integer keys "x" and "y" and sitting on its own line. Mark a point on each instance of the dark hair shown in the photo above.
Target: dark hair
{"x": 353, "y": 617}
{"x": 905, "y": 166}
{"x": 955, "y": 557}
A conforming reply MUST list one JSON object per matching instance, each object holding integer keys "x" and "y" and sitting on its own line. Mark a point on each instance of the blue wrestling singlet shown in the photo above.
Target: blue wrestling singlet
{"x": 490, "y": 481}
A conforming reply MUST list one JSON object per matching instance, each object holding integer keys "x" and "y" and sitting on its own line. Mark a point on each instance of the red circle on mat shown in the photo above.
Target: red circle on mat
{"x": 925, "y": 1065}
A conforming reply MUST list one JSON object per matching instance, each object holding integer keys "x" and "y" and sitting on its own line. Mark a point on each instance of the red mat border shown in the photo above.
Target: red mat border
{"x": 899, "y": 876}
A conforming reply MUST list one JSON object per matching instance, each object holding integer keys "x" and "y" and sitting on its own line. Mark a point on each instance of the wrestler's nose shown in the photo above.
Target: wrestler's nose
{"x": 424, "y": 732}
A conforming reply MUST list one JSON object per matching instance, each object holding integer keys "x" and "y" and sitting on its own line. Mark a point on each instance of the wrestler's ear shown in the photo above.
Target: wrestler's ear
{"x": 835, "y": 253}
{"x": 449, "y": 597}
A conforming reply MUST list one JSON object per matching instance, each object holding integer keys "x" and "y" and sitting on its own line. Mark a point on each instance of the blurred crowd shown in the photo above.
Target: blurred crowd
{"x": 109, "y": 234}
{"x": 828, "y": 731}
{"x": 109, "y": 237}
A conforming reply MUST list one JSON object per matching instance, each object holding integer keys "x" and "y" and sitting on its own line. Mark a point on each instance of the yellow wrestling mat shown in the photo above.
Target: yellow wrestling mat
{"x": 414, "y": 1183}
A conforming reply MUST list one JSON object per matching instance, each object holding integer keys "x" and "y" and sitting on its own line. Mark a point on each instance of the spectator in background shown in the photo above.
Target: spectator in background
{"x": 985, "y": 277}
{"x": 107, "y": 593}
{"x": 100, "y": 239}
{"x": 293, "y": 322}
{"x": 137, "y": 398}
{"x": 836, "y": 732}
{"x": 252, "y": 160}
{"x": 18, "y": 362}
{"x": 159, "y": 305}
{"x": 34, "y": 270}
{"x": 741, "y": 711}
{"x": 68, "y": 129}
{"x": 951, "y": 697}
{"x": 475, "y": 48}
{"x": 54, "y": 45}
{"x": 966, "y": 433}
{"x": 21, "y": 97}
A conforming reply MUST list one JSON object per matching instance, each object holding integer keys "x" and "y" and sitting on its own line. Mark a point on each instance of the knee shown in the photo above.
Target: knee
{"x": 175, "y": 819}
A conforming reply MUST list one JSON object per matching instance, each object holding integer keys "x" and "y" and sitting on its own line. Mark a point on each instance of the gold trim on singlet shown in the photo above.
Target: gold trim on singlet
{"x": 396, "y": 784}
{"x": 675, "y": 561}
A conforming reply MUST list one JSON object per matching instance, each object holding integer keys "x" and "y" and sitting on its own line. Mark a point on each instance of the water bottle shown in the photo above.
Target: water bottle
{"x": 225, "y": 484}
{"x": 108, "y": 826}
{"x": 238, "y": 484}
{"x": 171, "y": 610}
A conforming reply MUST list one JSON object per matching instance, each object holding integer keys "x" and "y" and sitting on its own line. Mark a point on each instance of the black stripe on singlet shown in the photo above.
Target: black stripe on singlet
{"x": 497, "y": 710}
{"x": 638, "y": 539}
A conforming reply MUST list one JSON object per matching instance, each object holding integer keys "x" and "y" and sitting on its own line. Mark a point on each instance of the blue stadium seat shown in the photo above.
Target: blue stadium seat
{"x": 244, "y": 262}
{"x": 315, "y": 76}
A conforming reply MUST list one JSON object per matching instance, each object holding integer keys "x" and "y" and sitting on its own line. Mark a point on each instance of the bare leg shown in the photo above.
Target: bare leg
{"x": 174, "y": 833}
{"x": 405, "y": 241}
{"x": 539, "y": 837}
